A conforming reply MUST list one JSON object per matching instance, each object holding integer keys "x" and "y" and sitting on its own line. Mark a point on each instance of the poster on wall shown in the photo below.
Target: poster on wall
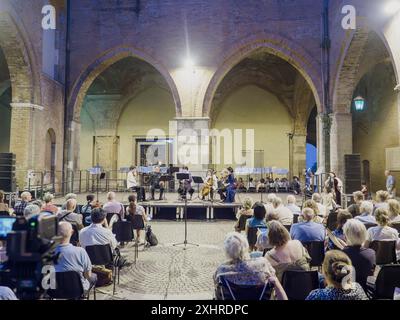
{"x": 151, "y": 152}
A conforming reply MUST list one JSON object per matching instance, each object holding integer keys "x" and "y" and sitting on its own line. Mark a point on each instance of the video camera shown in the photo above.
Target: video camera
{"x": 29, "y": 246}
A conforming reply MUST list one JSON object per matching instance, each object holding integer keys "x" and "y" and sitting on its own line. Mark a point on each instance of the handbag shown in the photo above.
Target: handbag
{"x": 104, "y": 276}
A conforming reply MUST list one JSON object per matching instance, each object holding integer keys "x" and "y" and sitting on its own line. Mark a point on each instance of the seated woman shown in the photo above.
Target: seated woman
{"x": 257, "y": 221}
{"x": 314, "y": 206}
{"x": 381, "y": 199}
{"x": 246, "y": 212}
{"x": 261, "y": 185}
{"x": 382, "y": 231}
{"x": 394, "y": 211}
{"x": 287, "y": 254}
{"x": 135, "y": 209}
{"x": 337, "y": 238}
{"x": 337, "y": 270}
{"x": 366, "y": 210}
{"x": 363, "y": 259}
{"x": 241, "y": 270}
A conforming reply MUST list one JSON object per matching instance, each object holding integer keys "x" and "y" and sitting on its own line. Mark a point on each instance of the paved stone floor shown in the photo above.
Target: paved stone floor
{"x": 170, "y": 272}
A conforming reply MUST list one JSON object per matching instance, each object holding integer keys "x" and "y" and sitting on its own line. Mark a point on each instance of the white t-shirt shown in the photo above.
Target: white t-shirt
{"x": 131, "y": 181}
{"x": 382, "y": 233}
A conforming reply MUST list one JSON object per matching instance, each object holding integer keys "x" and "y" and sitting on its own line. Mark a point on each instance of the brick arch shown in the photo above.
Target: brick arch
{"x": 284, "y": 48}
{"x": 21, "y": 62}
{"x": 89, "y": 75}
{"x": 347, "y": 76}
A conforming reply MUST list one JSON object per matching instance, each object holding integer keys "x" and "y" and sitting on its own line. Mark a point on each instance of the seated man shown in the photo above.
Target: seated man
{"x": 285, "y": 216}
{"x": 291, "y": 205}
{"x": 155, "y": 183}
{"x": 96, "y": 233}
{"x": 366, "y": 211}
{"x": 113, "y": 207}
{"x": 20, "y": 206}
{"x": 69, "y": 214}
{"x": 307, "y": 230}
{"x": 71, "y": 258}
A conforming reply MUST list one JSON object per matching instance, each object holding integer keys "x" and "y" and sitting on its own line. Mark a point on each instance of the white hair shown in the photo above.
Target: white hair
{"x": 25, "y": 195}
{"x": 111, "y": 196}
{"x": 316, "y": 197}
{"x": 291, "y": 199}
{"x": 70, "y": 196}
{"x": 31, "y": 210}
{"x": 276, "y": 202}
{"x": 71, "y": 204}
{"x": 271, "y": 197}
{"x": 64, "y": 229}
{"x": 366, "y": 207}
{"x": 355, "y": 232}
{"x": 48, "y": 197}
{"x": 308, "y": 214}
{"x": 236, "y": 247}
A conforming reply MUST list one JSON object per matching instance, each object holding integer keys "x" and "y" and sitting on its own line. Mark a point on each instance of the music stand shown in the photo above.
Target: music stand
{"x": 184, "y": 176}
{"x": 198, "y": 181}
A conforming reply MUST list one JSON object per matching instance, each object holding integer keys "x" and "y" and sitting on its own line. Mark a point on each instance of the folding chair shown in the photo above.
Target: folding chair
{"x": 385, "y": 251}
{"x": 102, "y": 255}
{"x": 242, "y": 222}
{"x": 227, "y": 290}
{"x": 123, "y": 231}
{"x": 288, "y": 227}
{"x": 387, "y": 280}
{"x": 69, "y": 287}
{"x": 316, "y": 250}
{"x": 331, "y": 222}
{"x": 299, "y": 284}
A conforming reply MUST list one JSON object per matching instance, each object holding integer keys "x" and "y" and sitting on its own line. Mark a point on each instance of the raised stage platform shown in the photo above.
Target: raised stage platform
{"x": 171, "y": 208}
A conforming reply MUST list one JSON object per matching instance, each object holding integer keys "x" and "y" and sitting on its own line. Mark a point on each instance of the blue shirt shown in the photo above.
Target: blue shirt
{"x": 390, "y": 183}
{"x": 254, "y": 223}
{"x": 307, "y": 231}
{"x": 73, "y": 259}
{"x": 366, "y": 218}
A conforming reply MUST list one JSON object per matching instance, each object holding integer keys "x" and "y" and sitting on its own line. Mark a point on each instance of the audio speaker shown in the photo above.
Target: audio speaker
{"x": 352, "y": 173}
{"x": 7, "y": 172}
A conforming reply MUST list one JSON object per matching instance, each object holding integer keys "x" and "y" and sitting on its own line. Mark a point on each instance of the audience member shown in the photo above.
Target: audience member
{"x": 287, "y": 254}
{"x": 312, "y": 205}
{"x": 69, "y": 214}
{"x": 337, "y": 270}
{"x": 242, "y": 270}
{"x": 381, "y": 198}
{"x": 258, "y": 219}
{"x": 31, "y": 210}
{"x": 113, "y": 207}
{"x": 86, "y": 211}
{"x": 246, "y": 211}
{"x": 49, "y": 206}
{"x": 363, "y": 259}
{"x": 7, "y": 294}
{"x": 354, "y": 209}
{"x": 338, "y": 234}
{"x": 323, "y": 211}
{"x": 394, "y": 211}
{"x": 366, "y": 210}
{"x": 291, "y": 205}
{"x": 135, "y": 209}
{"x": 284, "y": 214}
{"x": 68, "y": 197}
{"x": 269, "y": 207}
{"x": 20, "y": 206}
{"x": 97, "y": 233}
{"x": 308, "y": 230}
{"x": 71, "y": 258}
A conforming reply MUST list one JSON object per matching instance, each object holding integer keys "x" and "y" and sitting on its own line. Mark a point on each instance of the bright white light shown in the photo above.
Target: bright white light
{"x": 189, "y": 63}
{"x": 392, "y": 7}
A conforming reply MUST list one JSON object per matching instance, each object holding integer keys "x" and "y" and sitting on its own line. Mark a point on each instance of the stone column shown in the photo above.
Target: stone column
{"x": 299, "y": 142}
{"x": 323, "y": 141}
{"x": 106, "y": 152}
{"x": 341, "y": 141}
{"x": 191, "y": 142}
{"x": 22, "y": 138}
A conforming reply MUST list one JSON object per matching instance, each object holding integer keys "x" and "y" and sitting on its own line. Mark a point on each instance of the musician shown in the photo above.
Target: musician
{"x": 334, "y": 183}
{"x": 227, "y": 192}
{"x": 133, "y": 185}
{"x": 210, "y": 185}
{"x": 185, "y": 186}
{"x": 155, "y": 183}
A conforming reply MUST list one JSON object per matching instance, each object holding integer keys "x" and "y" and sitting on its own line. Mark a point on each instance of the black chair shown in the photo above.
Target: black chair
{"x": 227, "y": 290}
{"x": 101, "y": 255}
{"x": 123, "y": 231}
{"x": 241, "y": 226}
{"x": 295, "y": 218}
{"x": 137, "y": 222}
{"x": 370, "y": 225}
{"x": 331, "y": 222}
{"x": 75, "y": 235}
{"x": 396, "y": 226}
{"x": 68, "y": 287}
{"x": 288, "y": 227}
{"x": 387, "y": 280}
{"x": 316, "y": 250}
{"x": 299, "y": 284}
{"x": 385, "y": 251}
